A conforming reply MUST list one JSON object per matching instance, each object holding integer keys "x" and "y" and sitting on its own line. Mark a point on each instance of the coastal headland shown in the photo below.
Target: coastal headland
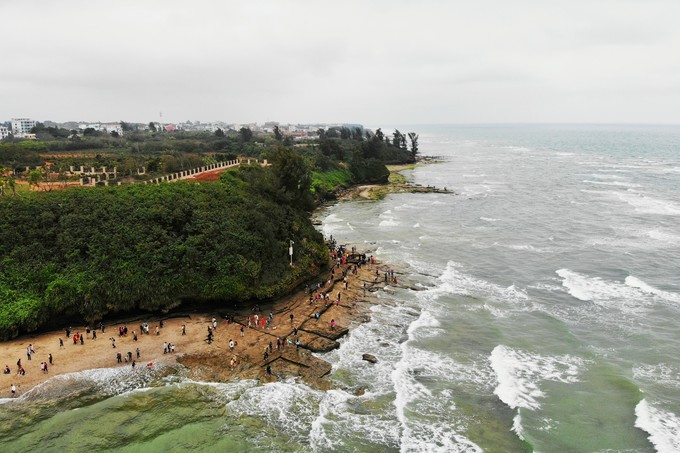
{"x": 293, "y": 318}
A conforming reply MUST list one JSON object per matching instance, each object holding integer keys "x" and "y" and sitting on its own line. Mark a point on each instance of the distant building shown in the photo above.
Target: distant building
{"x": 4, "y": 132}
{"x": 111, "y": 127}
{"x": 22, "y": 126}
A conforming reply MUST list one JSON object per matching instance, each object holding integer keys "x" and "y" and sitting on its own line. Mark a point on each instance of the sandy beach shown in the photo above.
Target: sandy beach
{"x": 213, "y": 362}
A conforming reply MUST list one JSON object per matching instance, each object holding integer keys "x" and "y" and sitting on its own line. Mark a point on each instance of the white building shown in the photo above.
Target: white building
{"x": 111, "y": 127}
{"x": 4, "y": 132}
{"x": 22, "y": 126}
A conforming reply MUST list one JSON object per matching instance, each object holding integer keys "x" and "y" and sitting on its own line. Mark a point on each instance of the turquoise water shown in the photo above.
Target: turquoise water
{"x": 543, "y": 315}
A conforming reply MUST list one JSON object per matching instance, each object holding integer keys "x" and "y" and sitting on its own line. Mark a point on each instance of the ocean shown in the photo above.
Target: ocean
{"x": 541, "y": 312}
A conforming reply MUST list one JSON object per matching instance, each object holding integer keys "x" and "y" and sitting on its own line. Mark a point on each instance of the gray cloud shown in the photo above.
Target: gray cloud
{"x": 375, "y": 62}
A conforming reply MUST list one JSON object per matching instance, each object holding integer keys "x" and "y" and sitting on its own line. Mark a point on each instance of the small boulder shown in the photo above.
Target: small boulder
{"x": 369, "y": 358}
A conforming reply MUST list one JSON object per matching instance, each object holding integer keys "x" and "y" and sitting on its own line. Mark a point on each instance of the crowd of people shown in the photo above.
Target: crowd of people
{"x": 322, "y": 295}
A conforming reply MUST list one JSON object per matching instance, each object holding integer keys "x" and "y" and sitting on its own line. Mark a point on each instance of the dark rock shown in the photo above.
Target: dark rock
{"x": 369, "y": 358}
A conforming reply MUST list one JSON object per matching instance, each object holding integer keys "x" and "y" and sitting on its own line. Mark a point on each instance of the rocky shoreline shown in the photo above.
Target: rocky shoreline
{"x": 215, "y": 362}
{"x": 315, "y": 335}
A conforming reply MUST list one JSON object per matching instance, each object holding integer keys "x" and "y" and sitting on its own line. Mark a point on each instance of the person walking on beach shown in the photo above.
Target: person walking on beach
{"x": 28, "y": 352}
{"x": 119, "y": 357}
{"x": 49, "y": 358}
{"x": 82, "y": 339}
{"x": 184, "y": 329}
{"x": 242, "y": 332}
{"x": 113, "y": 342}
{"x": 214, "y": 323}
{"x": 61, "y": 343}
{"x": 13, "y": 390}
{"x": 138, "y": 353}
{"x": 94, "y": 334}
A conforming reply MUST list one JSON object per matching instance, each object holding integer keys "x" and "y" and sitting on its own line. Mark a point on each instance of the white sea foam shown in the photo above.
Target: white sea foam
{"x": 388, "y": 223}
{"x": 337, "y": 420}
{"x": 649, "y": 205}
{"x": 517, "y": 427}
{"x": 659, "y": 374}
{"x": 489, "y": 219}
{"x": 519, "y": 374}
{"x": 435, "y": 427}
{"x": 605, "y": 176}
{"x": 614, "y": 183}
{"x": 645, "y": 288}
{"x": 417, "y": 225}
{"x": 101, "y": 381}
{"x": 455, "y": 282}
{"x": 290, "y": 406}
{"x": 663, "y": 427}
{"x": 630, "y": 296}
{"x": 525, "y": 247}
{"x": 663, "y": 236}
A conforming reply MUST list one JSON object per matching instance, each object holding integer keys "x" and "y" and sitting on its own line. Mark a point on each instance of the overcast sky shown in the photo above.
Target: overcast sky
{"x": 370, "y": 62}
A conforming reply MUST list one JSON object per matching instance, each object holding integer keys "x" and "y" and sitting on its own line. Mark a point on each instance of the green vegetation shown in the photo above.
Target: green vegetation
{"x": 87, "y": 253}
{"x": 328, "y": 181}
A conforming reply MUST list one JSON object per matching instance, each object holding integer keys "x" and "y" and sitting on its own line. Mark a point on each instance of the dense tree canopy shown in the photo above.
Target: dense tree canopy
{"x": 87, "y": 253}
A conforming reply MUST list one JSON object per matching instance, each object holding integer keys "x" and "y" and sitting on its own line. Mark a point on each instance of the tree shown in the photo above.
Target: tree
{"x": 7, "y": 182}
{"x": 277, "y": 133}
{"x": 245, "y": 134}
{"x": 35, "y": 177}
{"x": 152, "y": 126}
{"x": 322, "y": 134}
{"x": 219, "y": 133}
{"x": 126, "y": 127}
{"x": 294, "y": 177}
{"x": 379, "y": 135}
{"x": 115, "y": 134}
{"x": 414, "y": 144}
{"x": 398, "y": 139}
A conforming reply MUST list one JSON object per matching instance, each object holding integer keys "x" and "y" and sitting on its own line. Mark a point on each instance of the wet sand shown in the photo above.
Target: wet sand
{"x": 211, "y": 362}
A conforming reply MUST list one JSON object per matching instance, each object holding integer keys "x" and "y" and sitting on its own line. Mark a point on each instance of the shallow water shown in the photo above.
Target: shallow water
{"x": 547, "y": 318}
